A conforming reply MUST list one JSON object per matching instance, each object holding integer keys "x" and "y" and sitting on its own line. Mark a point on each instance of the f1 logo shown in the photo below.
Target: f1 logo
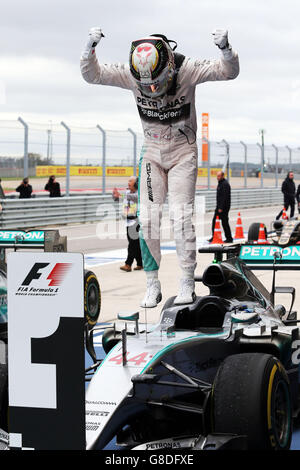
{"x": 56, "y": 276}
{"x": 34, "y": 273}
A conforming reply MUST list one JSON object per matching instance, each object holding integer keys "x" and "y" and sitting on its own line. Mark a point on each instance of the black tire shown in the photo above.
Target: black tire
{"x": 92, "y": 299}
{"x": 251, "y": 396}
{"x": 253, "y": 232}
{"x": 4, "y": 397}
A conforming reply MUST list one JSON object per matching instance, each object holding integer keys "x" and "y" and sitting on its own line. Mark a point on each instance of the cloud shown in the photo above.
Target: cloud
{"x": 41, "y": 44}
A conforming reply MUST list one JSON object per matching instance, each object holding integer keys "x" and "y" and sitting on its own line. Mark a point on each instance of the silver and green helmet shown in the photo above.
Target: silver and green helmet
{"x": 152, "y": 65}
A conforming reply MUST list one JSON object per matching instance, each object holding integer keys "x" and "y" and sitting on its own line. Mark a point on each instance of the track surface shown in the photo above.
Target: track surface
{"x": 94, "y": 183}
{"x": 92, "y": 238}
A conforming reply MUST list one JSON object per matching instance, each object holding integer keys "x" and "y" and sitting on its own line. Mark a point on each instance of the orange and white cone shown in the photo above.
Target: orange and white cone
{"x": 217, "y": 238}
{"x": 284, "y": 214}
{"x": 239, "y": 232}
{"x": 262, "y": 235}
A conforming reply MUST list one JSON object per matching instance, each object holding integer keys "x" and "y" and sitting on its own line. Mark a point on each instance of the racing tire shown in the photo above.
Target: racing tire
{"x": 4, "y": 397}
{"x": 251, "y": 397}
{"x": 92, "y": 299}
{"x": 253, "y": 232}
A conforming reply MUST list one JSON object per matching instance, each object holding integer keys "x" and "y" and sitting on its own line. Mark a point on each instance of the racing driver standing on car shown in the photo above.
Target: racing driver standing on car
{"x": 163, "y": 83}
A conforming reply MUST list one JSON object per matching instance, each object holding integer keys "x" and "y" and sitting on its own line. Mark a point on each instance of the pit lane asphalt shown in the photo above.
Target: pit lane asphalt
{"x": 104, "y": 236}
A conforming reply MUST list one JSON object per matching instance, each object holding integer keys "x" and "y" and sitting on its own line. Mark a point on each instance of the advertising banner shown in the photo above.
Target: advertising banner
{"x": 46, "y": 171}
{"x": 265, "y": 253}
{"x": 202, "y": 172}
{"x": 205, "y": 136}
{"x": 46, "y": 357}
{"x": 74, "y": 171}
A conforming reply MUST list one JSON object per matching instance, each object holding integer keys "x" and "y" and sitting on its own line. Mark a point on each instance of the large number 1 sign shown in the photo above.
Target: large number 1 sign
{"x": 46, "y": 351}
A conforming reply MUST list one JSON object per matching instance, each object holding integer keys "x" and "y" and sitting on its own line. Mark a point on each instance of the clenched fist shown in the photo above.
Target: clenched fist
{"x": 221, "y": 38}
{"x": 95, "y": 34}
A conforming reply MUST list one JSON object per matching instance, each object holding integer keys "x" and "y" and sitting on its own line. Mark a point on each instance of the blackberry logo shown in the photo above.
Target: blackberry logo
{"x": 149, "y": 185}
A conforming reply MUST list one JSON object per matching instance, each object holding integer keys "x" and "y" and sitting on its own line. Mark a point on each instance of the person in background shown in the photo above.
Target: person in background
{"x": 288, "y": 189}
{"x": 116, "y": 195}
{"x": 223, "y": 206}
{"x": 130, "y": 204}
{"x": 53, "y": 187}
{"x": 25, "y": 189}
{"x": 2, "y": 195}
{"x": 298, "y": 198}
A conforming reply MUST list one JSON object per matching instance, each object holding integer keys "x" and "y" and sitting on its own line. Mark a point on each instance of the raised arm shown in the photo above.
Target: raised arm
{"x": 102, "y": 74}
{"x": 225, "y": 68}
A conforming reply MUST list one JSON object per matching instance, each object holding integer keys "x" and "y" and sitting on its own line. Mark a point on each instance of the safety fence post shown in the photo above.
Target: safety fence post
{"x": 134, "y": 150}
{"x": 227, "y": 161}
{"x": 68, "y": 158}
{"x": 261, "y": 165}
{"x": 103, "y": 158}
{"x": 290, "y": 157}
{"x": 245, "y": 162}
{"x": 276, "y": 165}
{"x": 25, "y": 146}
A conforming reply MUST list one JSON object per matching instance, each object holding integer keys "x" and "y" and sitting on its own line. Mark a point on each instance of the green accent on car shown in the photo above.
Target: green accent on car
{"x": 21, "y": 237}
{"x": 3, "y": 306}
{"x": 265, "y": 254}
{"x": 173, "y": 345}
{"x": 149, "y": 262}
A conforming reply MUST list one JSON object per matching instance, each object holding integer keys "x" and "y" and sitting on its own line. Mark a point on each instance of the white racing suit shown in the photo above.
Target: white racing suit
{"x": 169, "y": 158}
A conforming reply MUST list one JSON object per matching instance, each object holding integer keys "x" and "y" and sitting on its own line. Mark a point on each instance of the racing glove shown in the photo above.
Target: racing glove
{"x": 95, "y": 35}
{"x": 221, "y": 40}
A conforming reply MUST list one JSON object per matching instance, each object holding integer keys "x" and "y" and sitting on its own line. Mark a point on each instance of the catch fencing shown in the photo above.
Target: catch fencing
{"x": 24, "y": 145}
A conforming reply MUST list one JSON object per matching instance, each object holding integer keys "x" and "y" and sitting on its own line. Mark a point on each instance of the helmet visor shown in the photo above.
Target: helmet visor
{"x": 154, "y": 90}
{"x": 157, "y": 87}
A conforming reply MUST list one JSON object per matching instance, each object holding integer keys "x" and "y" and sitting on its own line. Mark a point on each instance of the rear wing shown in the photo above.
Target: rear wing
{"x": 263, "y": 257}
{"x": 271, "y": 256}
{"x": 47, "y": 240}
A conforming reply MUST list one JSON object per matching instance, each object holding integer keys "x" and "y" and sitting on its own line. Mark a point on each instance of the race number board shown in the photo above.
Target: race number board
{"x": 46, "y": 359}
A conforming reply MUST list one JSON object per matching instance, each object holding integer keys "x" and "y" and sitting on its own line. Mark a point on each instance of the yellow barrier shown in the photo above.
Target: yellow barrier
{"x": 202, "y": 172}
{"x": 46, "y": 171}
{"x": 74, "y": 170}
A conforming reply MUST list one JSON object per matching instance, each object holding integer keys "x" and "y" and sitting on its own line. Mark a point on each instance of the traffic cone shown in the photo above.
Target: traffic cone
{"x": 239, "y": 233}
{"x": 284, "y": 214}
{"x": 262, "y": 235}
{"x": 217, "y": 238}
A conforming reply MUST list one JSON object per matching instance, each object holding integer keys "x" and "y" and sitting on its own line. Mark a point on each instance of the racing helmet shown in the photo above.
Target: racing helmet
{"x": 152, "y": 65}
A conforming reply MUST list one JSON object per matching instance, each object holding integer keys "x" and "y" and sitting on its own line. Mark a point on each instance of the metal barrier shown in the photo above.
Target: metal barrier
{"x": 31, "y": 213}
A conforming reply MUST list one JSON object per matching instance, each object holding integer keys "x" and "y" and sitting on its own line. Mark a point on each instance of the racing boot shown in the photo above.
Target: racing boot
{"x": 186, "y": 292}
{"x": 153, "y": 294}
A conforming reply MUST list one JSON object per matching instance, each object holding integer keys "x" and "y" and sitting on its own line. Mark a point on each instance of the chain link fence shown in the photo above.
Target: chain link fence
{"x": 105, "y": 158}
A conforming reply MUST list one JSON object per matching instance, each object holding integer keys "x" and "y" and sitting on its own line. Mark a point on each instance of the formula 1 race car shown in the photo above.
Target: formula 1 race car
{"x": 49, "y": 241}
{"x": 283, "y": 232}
{"x": 221, "y": 373}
